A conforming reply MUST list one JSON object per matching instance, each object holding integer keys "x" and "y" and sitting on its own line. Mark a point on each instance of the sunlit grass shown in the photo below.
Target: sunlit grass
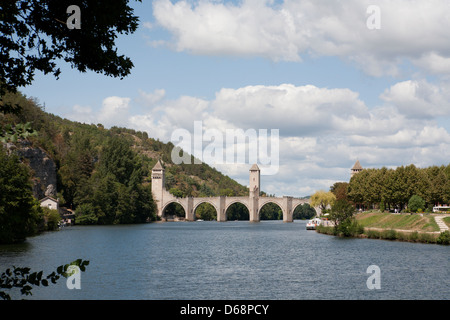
{"x": 397, "y": 221}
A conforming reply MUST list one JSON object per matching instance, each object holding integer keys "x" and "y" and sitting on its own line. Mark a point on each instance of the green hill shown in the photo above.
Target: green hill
{"x": 105, "y": 173}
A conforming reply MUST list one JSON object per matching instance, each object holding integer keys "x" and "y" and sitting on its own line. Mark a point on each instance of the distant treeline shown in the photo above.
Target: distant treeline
{"x": 394, "y": 188}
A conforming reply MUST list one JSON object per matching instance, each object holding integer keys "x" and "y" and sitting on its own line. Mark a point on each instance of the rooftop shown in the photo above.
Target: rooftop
{"x": 357, "y": 166}
{"x": 158, "y": 166}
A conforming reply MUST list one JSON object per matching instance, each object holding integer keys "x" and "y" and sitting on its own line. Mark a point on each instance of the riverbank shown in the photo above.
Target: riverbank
{"x": 422, "y": 228}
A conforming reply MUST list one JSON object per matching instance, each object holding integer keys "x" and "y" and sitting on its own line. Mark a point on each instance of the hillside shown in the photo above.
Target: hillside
{"x": 90, "y": 161}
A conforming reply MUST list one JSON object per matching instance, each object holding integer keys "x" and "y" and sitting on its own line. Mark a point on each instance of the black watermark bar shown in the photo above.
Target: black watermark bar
{"x": 228, "y": 309}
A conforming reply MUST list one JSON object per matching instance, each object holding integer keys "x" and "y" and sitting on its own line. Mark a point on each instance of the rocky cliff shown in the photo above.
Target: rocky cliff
{"x": 42, "y": 166}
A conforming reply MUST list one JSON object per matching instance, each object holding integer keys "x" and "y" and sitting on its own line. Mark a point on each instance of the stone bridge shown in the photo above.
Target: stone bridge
{"x": 254, "y": 202}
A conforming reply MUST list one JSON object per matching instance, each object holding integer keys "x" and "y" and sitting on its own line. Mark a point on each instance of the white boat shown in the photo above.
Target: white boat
{"x": 312, "y": 224}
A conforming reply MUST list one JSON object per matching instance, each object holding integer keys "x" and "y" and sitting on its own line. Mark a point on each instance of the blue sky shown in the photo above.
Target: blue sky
{"x": 336, "y": 90}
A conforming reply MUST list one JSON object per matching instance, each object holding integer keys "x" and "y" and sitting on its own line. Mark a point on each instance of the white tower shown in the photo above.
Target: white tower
{"x": 254, "y": 193}
{"x": 158, "y": 185}
{"x": 254, "y": 181}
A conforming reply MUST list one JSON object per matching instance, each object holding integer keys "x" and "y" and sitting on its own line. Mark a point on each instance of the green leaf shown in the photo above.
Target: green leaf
{"x": 60, "y": 269}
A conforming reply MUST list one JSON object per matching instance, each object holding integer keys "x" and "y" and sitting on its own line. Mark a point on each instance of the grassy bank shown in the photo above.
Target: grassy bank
{"x": 406, "y": 222}
{"x": 400, "y": 227}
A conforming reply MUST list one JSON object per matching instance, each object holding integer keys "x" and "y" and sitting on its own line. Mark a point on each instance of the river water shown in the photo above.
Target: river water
{"x": 230, "y": 260}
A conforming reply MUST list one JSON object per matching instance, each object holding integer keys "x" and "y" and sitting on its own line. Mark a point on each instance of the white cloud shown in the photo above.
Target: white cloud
{"x": 150, "y": 99}
{"x": 434, "y": 63}
{"x": 322, "y": 131}
{"x": 302, "y": 110}
{"x": 82, "y": 114}
{"x": 413, "y": 30}
{"x": 218, "y": 28}
{"x": 114, "y": 111}
{"x": 407, "y": 138}
{"x": 419, "y": 99}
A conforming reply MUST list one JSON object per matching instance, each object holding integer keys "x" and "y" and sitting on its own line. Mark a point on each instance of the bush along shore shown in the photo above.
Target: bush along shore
{"x": 357, "y": 229}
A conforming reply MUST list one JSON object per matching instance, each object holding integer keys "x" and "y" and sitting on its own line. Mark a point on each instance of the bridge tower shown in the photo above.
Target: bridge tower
{"x": 255, "y": 175}
{"x": 158, "y": 181}
{"x": 254, "y": 187}
{"x": 356, "y": 168}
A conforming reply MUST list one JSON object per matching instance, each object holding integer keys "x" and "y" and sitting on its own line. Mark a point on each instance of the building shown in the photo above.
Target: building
{"x": 356, "y": 168}
{"x": 49, "y": 202}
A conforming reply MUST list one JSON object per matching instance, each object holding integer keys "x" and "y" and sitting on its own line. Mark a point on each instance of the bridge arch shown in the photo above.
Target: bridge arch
{"x": 228, "y": 205}
{"x": 237, "y": 210}
{"x": 168, "y": 203}
{"x": 271, "y": 201}
{"x": 204, "y": 201}
{"x": 197, "y": 203}
{"x": 296, "y": 205}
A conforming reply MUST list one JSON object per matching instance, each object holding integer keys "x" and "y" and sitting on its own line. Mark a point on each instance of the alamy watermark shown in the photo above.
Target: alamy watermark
{"x": 374, "y": 281}
{"x": 74, "y": 21}
{"x": 74, "y": 277}
{"x": 234, "y": 146}
{"x": 373, "y": 21}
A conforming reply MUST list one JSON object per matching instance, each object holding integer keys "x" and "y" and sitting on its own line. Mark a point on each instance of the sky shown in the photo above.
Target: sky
{"x": 340, "y": 81}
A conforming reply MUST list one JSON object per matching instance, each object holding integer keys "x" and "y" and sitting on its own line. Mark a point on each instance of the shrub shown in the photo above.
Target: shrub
{"x": 427, "y": 238}
{"x": 389, "y": 234}
{"x": 373, "y": 234}
{"x": 444, "y": 238}
{"x": 52, "y": 218}
{"x": 85, "y": 214}
{"x": 349, "y": 228}
{"x": 416, "y": 203}
{"x": 325, "y": 230}
{"x": 382, "y": 206}
{"x": 414, "y": 236}
{"x": 403, "y": 236}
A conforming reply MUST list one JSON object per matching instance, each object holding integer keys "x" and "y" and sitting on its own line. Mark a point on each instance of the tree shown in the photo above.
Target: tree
{"x": 85, "y": 214}
{"x": 52, "y": 218}
{"x": 34, "y": 34}
{"x": 323, "y": 199}
{"x": 20, "y": 213}
{"x": 206, "y": 191}
{"x": 118, "y": 159}
{"x": 356, "y": 192}
{"x": 339, "y": 189}
{"x": 342, "y": 215}
{"x": 177, "y": 192}
{"x": 416, "y": 203}
{"x": 438, "y": 185}
{"x": 400, "y": 181}
{"x": 341, "y": 211}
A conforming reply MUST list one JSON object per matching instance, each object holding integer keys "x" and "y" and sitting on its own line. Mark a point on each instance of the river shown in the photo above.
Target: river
{"x": 230, "y": 260}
